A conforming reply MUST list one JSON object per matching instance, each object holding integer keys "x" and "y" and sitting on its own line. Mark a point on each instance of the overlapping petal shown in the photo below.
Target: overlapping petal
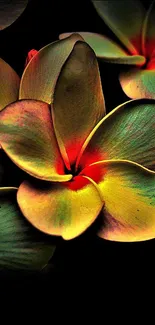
{"x": 9, "y": 84}
{"x": 21, "y": 246}
{"x": 10, "y": 11}
{"x": 27, "y": 136}
{"x": 78, "y": 100}
{"x": 138, "y": 83}
{"x": 40, "y": 75}
{"x": 148, "y": 37}
{"x": 125, "y": 19}
{"x": 128, "y": 192}
{"x": 108, "y": 50}
{"x": 60, "y": 209}
{"x": 125, "y": 133}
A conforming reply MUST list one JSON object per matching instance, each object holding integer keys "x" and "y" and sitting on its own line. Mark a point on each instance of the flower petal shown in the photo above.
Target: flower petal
{"x": 21, "y": 246}
{"x": 9, "y": 83}
{"x": 148, "y": 32}
{"x": 125, "y": 19}
{"x": 78, "y": 100}
{"x": 128, "y": 191}
{"x": 40, "y": 75}
{"x": 10, "y": 11}
{"x": 138, "y": 83}
{"x": 125, "y": 133}
{"x": 108, "y": 50}
{"x": 60, "y": 209}
{"x": 27, "y": 136}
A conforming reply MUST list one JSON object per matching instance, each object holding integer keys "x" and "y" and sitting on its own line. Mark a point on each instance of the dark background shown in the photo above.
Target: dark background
{"x": 86, "y": 259}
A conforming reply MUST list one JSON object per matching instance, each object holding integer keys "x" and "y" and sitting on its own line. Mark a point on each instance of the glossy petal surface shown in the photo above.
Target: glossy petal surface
{"x": 10, "y": 11}
{"x": 125, "y": 133}
{"x": 108, "y": 50}
{"x": 78, "y": 100}
{"x": 40, "y": 75}
{"x": 60, "y": 209}
{"x": 125, "y": 19}
{"x": 128, "y": 191}
{"x": 27, "y": 136}
{"x": 9, "y": 84}
{"x": 21, "y": 246}
{"x": 138, "y": 83}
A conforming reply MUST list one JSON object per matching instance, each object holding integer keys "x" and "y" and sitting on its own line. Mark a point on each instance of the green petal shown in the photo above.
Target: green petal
{"x": 148, "y": 32}
{"x": 27, "y": 137}
{"x": 78, "y": 100}
{"x": 108, "y": 50}
{"x": 125, "y": 133}
{"x": 9, "y": 84}
{"x": 21, "y": 246}
{"x": 10, "y": 11}
{"x": 138, "y": 83}
{"x": 128, "y": 192}
{"x": 125, "y": 19}
{"x": 40, "y": 75}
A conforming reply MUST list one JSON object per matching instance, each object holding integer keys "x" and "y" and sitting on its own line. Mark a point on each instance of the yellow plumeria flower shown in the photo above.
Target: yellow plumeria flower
{"x": 79, "y": 163}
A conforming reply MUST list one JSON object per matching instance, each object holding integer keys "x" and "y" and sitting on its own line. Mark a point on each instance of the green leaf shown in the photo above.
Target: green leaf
{"x": 21, "y": 245}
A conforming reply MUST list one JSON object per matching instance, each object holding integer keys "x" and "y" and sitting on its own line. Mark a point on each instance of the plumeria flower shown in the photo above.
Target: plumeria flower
{"x": 10, "y": 11}
{"x": 79, "y": 162}
{"x": 21, "y": 245}
{"x": 134, "y": 28}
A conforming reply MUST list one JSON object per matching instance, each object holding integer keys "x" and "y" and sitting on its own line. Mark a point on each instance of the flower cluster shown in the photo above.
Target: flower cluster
{"x": 75, "y": 161}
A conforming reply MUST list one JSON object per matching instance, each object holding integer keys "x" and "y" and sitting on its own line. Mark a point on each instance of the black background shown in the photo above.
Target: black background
{"x": 86, "y": 259}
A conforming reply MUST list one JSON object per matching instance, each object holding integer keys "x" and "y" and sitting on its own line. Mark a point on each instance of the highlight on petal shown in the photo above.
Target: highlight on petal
{"x": 125, "y": 19}
{"x": 21, "y": 246}
{"x": 127, "y": 133}
{"x": 40, "y": 75}
{"x": 60, "y": 209}
{"x": 148, "y": 32}
{"x": 78, "y": 100}
{"x": 138, "y": 83}
{"x": 27, "y": 137}
{"x": 128, "y": 191}
{"x": 10, "y": 11}
{"x": 9, "y": 84}
{"x": 108, "y": 50}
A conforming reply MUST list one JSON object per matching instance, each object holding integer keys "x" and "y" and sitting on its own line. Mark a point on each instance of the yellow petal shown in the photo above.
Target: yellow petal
{"x": 40, "y": 75}
{"x": 128, "y": 192}
{"x": 9, "y": 84}
{"x": 27, "y": 137}
{"x": 60, "y": 209}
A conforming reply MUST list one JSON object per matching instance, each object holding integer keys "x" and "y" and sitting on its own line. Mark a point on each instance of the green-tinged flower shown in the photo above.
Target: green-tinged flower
{"x": 10, "y": 10}
{"x": 79, "y": 162}
{"x": 135, "y": 30}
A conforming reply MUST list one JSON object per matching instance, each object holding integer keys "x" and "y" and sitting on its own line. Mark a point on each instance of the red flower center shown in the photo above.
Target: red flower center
{"x": 86, "y": 169}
